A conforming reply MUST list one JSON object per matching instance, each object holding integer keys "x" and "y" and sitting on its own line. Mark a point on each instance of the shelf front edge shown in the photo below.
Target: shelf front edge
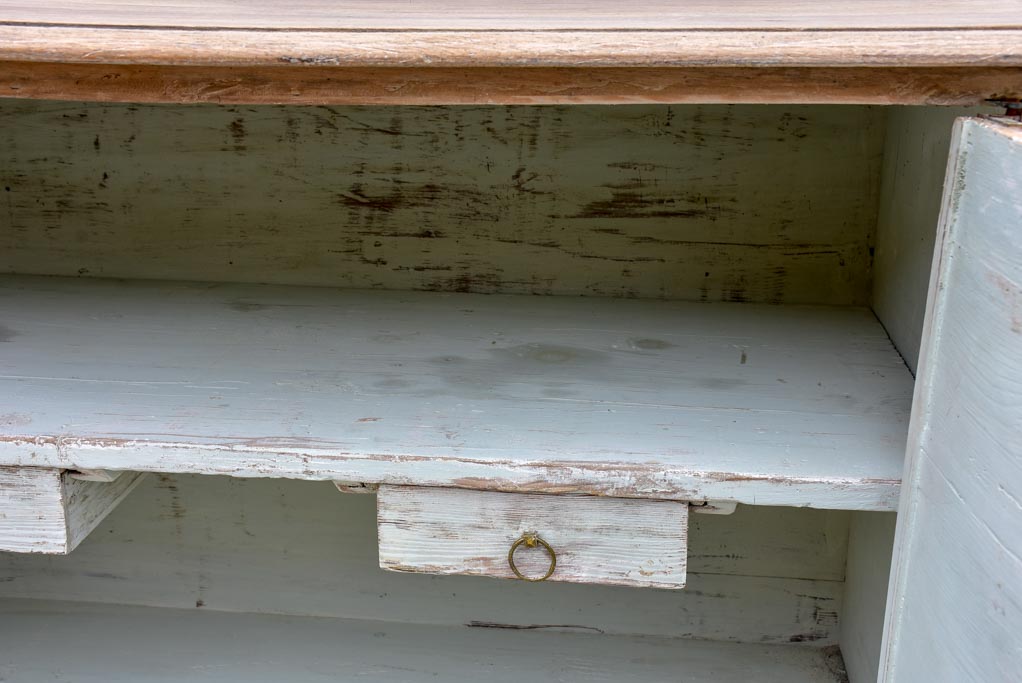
{"x": 325, "y": 84}
{"x": 292, "y": 461}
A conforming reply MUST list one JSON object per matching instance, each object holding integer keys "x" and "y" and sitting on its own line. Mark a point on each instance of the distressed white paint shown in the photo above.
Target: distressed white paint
{"x": 772, "y": 405}
{"x": 955, "y": 612}
{"x": 42, "y": 510}
{"x": 609, "y": 541}
{"x": 762, "y": 575}
{"x": 915, "y": 158}
{"x": 769, "y": 204}
{"x": 160, "y": 645}
{"x": 870, "y": 540}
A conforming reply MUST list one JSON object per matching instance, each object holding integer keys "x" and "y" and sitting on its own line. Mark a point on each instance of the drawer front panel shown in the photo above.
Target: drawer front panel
{"x": 612, "y": 541}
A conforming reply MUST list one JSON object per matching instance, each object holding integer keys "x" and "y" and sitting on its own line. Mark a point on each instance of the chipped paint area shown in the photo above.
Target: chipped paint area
{"x": 653, "y": 201}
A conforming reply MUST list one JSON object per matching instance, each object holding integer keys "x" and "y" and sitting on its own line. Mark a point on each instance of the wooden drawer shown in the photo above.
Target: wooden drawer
{"x": 612, "y": 541}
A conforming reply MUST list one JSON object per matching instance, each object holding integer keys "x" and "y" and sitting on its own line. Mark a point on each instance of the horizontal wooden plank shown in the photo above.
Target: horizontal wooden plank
{"x": 606, "y": 541}
{"x": 768, "y": 405}
{"x": 225, "y": 37}
{"x": 44, "y": 510}
{"x": 166, "y": 644}
{"x": 132, "y": 46}
{"x": 688, "y": 202}
{"x": 539, "y": 85}
{"x": 762, "y": 575}
{"x": 392, "y": 15}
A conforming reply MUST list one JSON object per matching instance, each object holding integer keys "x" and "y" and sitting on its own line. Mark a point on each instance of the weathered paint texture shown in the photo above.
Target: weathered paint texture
{"x": 607, "y": 541}
{"x": 44, "y": 510}
{"x": 769, "y": 405}
{"x": 162, "y": 645}
{"x": 955, "y": 610}
{"x": 707, "y": 203}
{"x": 915, "y": 159}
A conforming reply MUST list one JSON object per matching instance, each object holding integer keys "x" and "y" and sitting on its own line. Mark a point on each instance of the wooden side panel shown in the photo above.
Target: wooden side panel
{"x": 955, "y": 612}
{"x": 608, "y": 541}
{"x": 32, "y": 518}
{"x": 43, "y": 510}
{"x": 870, "y": 541}
{"x": 915, "y": 159}
{"x": 704, "y": 203}
{"x": 763, "y": 574}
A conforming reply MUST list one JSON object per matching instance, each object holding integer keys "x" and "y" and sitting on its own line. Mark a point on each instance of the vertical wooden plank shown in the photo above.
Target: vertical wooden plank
{"x": 32, "y": 510}
{"x": 870, "y": 541}
{"x": 955, "y": 607}
{"x": 915, "y": 158}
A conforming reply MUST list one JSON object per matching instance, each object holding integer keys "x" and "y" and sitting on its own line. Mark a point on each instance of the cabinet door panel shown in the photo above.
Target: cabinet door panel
{"x": 955, "y": 604}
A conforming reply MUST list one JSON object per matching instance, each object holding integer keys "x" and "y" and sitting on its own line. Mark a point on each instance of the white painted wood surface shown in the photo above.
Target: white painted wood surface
{"x": 162, "y": 645}
{"x": 770, "y": 405}
{"x": 43, "y": 510}
{"x": 870, "y": 542}
{"x": 955, "y": 611}
{"x": 762, "y": 575}
{"x": 914, "y": 162}
{"x": 607, "y": 541}
{"x": 679, "y": 202}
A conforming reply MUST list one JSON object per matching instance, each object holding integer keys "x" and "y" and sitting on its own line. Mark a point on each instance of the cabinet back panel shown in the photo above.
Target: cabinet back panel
{"x": 739, "y": 203}
{"x": 302, "y": 548}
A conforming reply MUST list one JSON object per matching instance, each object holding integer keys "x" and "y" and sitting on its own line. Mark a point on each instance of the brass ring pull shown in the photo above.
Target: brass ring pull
{"x": 530, "y": 539}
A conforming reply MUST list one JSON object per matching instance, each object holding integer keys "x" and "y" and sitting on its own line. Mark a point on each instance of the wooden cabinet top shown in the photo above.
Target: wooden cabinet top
{"x": 526, "y": 51}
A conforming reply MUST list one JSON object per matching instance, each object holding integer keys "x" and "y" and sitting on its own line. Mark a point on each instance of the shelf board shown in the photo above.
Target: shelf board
{"x": 330, "y": 52}
{"x": 770, "y": 405}
{"x": 60, "y": 640}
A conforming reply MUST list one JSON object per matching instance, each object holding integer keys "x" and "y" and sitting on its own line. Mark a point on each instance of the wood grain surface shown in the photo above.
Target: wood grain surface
{"x": 316, "y": 80}
{"x": 236, "y": 42}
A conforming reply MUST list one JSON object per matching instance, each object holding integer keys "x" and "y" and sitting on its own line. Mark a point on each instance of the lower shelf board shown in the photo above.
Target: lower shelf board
{"x": 95, "y": 643}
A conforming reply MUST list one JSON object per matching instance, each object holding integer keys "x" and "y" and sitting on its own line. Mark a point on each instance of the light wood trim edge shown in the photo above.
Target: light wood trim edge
{"x": 504, "y": 86}
{"x": 472, "y": 48}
